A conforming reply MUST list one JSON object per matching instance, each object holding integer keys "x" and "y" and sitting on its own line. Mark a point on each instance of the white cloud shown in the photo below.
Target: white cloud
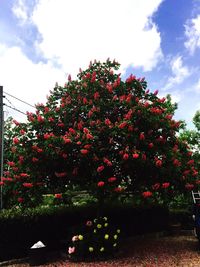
{"x": 75, "y": 32}
{"x": 179, "y": 73}
{"x": 20, "y": 11}
{"x": 28, "y": 81}
{"x": 192, "y": 32}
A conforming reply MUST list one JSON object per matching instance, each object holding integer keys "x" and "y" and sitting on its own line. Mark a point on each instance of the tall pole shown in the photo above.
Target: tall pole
{"x": 1, "y": 142}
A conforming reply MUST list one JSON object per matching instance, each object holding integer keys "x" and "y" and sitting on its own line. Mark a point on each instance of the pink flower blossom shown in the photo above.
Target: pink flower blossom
{"x": 71, "y": 250}
{"x": 75, "y": 238}
{"x": 89, "y": 223}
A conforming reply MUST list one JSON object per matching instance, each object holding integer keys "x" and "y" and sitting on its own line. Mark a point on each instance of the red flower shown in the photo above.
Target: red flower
{"x": 142, "y": 137}
{"x": 15, "y": 140}
{"x": 64, "y": 155}
{"x": 11, "y": 163}
{"x": 165, "y": 185}
{"x": 25, "y": 175}
{"x": 84, "y": 151}
{"x": 100, "y": 168}
{"x": 58, "y": 196}
{"x": 118, "y": 189}
{"x": 89, "y": 136}
{"x": 20, "y": 199}
{"x": 190, "y": 162}
{"x": 109, "y": 88}
{"x": 39, "y": 150}
{"x": 88, "y": 146}
{"x": 46, "y": 136}
{"x": 151, "y": 145}
{"x": 122, "y": 125}
{"x": 67, "y": 140}
{"x": 50, "y": 119}
{"x": 40, "y": 118}
{"x": 22, "y": 132}
{"x": 189, "y": 186}
{"x": 61, "y": 124}
{"x": 135, "y": 155}
{"x": 125, "y": 156}
{"x": 16, "y": 122}
{"x": 35, "y": 159}
{"x": 144, "y": 157}
{"x": 130, "y": 128}
{"x": 112, "y": 179}
{"x": 158, "y": 163}
{"x": 7, "y": 179}
{"x": 168, "y": 116}
{"x": 72, "y": 131}
{"x": 93, "y": 77}
{"x": 85, "y": 101}
{"x": 1, "y": 183}
{"x": 60, "y": 174}
{"x": 107, "y": 122}
{"x": 28, "y": 185}
{"x": 96, "y": 95}
{"x": 86, "y": 131}
{"x": 147, "y": 194}
{"x": 176, "y": 162}
{"x": 100, "y": 184}
{"x": 156, "y": 186}
{"x": 107, "y": 162}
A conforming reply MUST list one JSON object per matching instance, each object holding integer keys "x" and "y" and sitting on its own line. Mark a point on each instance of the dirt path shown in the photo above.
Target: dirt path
{"x": 148, "y": 251}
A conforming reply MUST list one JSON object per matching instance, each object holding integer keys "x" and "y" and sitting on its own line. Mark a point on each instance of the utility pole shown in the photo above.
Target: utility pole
{"x": 1, "y": 143}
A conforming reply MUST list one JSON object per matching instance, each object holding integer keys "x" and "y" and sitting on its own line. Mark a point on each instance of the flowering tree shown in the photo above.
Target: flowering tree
{"x": 103, "y": 134}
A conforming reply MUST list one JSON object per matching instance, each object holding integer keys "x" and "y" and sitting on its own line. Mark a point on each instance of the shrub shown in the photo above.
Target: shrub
{"x": 96, "y": 239}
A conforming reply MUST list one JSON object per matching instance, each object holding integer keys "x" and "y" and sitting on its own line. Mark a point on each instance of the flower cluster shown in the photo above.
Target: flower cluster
{"x": 95, "y": 240}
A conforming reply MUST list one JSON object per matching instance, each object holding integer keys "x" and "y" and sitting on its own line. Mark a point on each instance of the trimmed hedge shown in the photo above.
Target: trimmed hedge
{"x": 182, "y": 216}
{"x": 19, "y": 230}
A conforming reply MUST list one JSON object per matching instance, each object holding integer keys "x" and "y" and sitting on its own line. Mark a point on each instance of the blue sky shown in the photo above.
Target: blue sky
{"x": 41, "y": 41}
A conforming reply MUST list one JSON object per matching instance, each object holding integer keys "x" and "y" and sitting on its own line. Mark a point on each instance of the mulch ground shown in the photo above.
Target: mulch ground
{"x": 148, "y": 251}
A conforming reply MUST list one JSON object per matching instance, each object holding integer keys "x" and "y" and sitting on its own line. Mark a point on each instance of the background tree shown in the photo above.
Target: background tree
{"x": 192, "y": 137}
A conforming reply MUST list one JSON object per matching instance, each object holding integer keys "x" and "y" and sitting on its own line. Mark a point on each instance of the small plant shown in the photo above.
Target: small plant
{"x": 95, "y": 240}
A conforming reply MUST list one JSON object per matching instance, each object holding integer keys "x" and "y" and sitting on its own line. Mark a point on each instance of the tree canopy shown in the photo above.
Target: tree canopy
{"x": 101, "y": 133}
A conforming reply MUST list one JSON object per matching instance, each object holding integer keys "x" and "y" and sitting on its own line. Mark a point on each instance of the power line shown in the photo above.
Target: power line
{"x": 15, "y": 109}
{"x": 19, "y": 100}
{"x": 9, "y": 102}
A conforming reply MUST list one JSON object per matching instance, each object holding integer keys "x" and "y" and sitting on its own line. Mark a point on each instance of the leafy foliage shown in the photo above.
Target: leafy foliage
{"x": 103, "y": 134}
